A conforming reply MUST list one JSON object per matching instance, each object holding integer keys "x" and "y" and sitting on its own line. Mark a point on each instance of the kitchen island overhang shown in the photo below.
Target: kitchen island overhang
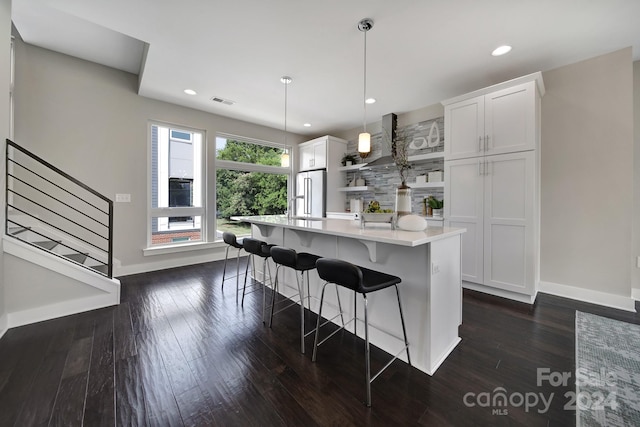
{"x": 428, "y": 262}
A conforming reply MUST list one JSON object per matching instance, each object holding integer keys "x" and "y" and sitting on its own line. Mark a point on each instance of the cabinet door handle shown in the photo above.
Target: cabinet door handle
{"x": 480, "y": 143}
{"x": 480, "y": 162}
{"x": 486, "y": 142}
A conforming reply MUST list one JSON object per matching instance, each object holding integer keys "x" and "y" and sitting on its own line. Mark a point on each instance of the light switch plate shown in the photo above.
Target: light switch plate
{"x": 123, "y": 198}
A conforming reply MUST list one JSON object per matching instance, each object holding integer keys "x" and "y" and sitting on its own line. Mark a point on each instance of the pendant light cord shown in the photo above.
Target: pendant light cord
{"x": 285, "y": 80}
{"x": 364, "y": 95}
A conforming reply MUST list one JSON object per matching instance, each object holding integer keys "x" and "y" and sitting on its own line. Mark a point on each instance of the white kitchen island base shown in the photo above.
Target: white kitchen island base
{"x": 428, "y": 262}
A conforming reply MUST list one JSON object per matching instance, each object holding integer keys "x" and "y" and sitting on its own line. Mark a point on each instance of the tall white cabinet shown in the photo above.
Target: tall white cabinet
{"x": 492, "y": 185}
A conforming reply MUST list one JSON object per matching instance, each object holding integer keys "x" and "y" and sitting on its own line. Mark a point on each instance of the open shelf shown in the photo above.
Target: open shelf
{"x": 351, "y": 168}
{"x": 427, "y": 156}
{"x": 364, "y": 188}
{"x": 426, "y": 184}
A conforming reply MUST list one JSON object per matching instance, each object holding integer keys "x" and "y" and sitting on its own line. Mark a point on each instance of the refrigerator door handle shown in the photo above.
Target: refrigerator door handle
{"x": 308, "y": 195}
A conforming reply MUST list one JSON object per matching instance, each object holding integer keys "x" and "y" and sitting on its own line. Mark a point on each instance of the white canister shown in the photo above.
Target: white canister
{"x": 421, "y": 179}
{"x": 360, "y": 182}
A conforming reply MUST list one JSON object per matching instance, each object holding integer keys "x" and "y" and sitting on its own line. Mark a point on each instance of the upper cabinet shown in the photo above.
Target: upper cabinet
{"x": 497, "y": 120}
{"x": 313, "y": 154}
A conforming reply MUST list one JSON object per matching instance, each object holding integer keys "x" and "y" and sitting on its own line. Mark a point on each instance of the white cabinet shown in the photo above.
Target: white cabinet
{"x": 493, "y": 197}
{"x": 491, "y": 184}
{"x": 325, "y": 153}
{"x": 313, "y": 154}
{"x": 502, "y": 121}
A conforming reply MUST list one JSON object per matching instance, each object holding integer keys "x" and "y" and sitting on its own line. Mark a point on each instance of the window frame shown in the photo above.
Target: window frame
{"x": 160, "y": 212}
{"x": 250, "y": 167}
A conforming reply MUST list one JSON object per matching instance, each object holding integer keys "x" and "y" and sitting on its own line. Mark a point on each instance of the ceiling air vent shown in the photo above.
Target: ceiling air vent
{"x": 222, "y": 100}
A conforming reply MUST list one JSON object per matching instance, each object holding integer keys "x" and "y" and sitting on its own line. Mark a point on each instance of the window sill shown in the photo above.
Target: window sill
{"x": 184, "y": 247}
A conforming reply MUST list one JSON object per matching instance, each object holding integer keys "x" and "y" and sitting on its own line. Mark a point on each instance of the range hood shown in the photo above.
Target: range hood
{"x": 389, "y": 124}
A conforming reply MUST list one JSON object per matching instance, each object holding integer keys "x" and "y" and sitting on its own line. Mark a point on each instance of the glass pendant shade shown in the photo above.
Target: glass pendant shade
{"x": 284, "y": 160}
{"x": 364, "y": 142}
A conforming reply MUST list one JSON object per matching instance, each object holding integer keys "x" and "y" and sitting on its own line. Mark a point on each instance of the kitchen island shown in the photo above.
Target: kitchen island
{"x": 428, "y": 262}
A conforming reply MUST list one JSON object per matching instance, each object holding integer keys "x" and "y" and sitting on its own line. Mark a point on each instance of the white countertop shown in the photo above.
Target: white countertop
{"x": 349, "y": 228}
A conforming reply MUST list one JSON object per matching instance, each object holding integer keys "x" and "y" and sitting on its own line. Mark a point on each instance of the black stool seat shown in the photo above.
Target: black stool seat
{"x": 363, "y": 281}
{"x": 263, "y": 250}
{"x": 231, "y": 240}
{"x": 300, "y": 261}
{"x": 359, "y": 279}
{"x": 257, "y": 247}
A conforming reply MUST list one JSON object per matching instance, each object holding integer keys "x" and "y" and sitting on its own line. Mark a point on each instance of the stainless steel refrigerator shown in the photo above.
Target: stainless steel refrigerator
{"x": 311, "y": 194}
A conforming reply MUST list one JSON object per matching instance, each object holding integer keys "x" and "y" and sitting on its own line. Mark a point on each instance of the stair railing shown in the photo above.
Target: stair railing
{"x": 70, "y": 219}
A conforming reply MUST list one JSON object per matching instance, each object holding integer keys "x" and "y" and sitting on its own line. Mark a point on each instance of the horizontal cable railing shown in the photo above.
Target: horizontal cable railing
{"x": 50, "y": 209}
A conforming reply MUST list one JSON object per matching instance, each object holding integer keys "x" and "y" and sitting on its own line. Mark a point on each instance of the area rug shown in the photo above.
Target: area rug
{"x": 607, "y": 372}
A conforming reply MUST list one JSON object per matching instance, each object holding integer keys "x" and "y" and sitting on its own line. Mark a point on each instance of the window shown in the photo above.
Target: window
{"x": 177, "y": 212}
{"x": 249, "y": 181}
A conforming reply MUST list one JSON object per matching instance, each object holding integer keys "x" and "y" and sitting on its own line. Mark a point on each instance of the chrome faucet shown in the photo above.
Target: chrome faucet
{"x": 290, "y": 205}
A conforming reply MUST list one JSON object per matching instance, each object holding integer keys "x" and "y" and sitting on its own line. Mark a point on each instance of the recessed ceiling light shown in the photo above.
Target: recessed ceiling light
{"x": 501, "y": 50}
{"x": 370, "y": 101}
{"x": 307, "y": 125}
{"x": 190, "y": 92}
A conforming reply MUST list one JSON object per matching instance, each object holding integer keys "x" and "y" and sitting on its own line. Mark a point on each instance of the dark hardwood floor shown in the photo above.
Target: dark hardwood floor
{"x": 178, "y": 351}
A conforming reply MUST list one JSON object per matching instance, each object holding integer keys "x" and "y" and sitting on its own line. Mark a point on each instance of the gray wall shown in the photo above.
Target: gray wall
{"x": 88, "y": 120}
{"x": 587, "y": 174}
{"x": 5, "y": 79}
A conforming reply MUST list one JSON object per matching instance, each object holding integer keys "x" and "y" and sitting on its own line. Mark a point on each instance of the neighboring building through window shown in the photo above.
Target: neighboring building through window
{"x": 249, "y": 181}
{"x": 177, "y": 212}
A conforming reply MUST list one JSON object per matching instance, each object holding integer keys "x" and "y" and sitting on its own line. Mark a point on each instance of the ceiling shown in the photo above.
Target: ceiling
{"x": 419, "y": 52}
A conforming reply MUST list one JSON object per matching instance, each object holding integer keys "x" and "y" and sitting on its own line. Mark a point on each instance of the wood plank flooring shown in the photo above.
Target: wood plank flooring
{"x": 179, "y": 352}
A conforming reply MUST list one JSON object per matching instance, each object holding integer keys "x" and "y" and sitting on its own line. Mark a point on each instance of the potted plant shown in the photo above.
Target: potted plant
{"x": 435, "y": 205}
{"x": 349, "y": 159}
{"x": 399, "y": 153}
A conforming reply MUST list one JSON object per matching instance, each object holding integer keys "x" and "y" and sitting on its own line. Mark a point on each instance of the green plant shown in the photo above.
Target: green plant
{"x": 349, "y": 158}
{"x": 434, "y": 203}
{"x": 399, "y": 152}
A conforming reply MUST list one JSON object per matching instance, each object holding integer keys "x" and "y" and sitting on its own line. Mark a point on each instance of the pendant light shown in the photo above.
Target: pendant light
{"x": 284, "y": 157}
{"x": 364, "y": 139}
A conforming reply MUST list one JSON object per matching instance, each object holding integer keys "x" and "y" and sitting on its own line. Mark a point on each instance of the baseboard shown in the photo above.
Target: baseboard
{"x": 65, "y": 308}
{"x": 125, "y": 270}
{"x": 635, "y": 294}
{"x": 3, "y": 324}
{"x": 527, "y": 299}
{"x": 587, "y": 295}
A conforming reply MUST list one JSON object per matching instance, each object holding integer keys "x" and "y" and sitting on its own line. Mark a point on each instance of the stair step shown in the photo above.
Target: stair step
{"x": 17, "y": 230}
{"x": 79, "y": 258}
{"x": 47, "y": 244}
{"x": 104, "y": 269}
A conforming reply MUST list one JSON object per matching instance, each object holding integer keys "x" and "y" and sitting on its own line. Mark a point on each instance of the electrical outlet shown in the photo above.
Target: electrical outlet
{"x": 435, "y": 268}
{"x": 123, "y": 198}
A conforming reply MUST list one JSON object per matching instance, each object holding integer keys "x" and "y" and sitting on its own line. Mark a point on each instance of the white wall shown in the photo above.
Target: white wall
{"x": 88, "y": 120}
{"x": 5, "y": 66}
{"x": 587, "y": 174}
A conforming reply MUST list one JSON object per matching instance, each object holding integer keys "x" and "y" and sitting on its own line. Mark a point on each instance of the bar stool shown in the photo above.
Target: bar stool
{"x": 232, "y": 242}
{"x": 298, "y": 261}
{"x": 263, "y": 250}
{"x": 363, "y": 281}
